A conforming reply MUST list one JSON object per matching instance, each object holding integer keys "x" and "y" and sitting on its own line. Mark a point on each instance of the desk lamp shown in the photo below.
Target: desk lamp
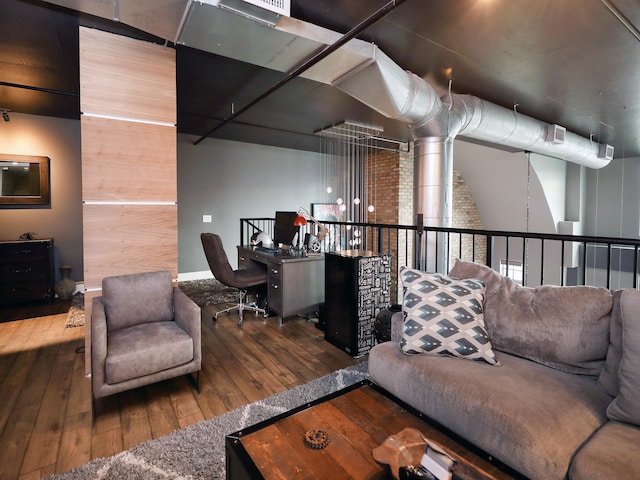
{"x": 320, "y": 235}
{"x": 300, "y": 222}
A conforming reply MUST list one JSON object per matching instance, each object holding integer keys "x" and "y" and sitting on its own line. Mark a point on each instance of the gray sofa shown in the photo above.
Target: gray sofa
{"x": 561, "y": 400}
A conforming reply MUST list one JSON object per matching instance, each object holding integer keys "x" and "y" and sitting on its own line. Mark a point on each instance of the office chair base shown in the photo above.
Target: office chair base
{"x": 241, "y": 307}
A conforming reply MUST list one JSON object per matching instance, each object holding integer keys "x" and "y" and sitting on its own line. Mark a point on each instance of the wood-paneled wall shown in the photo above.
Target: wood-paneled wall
{"x": 129, "y": 155}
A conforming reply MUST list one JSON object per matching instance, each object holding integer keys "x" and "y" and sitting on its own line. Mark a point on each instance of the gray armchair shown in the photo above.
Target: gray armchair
{"x": 143, "y": 330}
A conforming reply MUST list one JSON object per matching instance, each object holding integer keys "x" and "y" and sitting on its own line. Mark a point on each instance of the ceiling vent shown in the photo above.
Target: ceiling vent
{"x": 555, "y": 134}
{"x": 263, "y": 11}
{"x": 282, "y": 7}
{"x": 606, "y": 152}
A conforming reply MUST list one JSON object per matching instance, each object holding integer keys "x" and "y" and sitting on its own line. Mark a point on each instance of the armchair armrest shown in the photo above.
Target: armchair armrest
{"x": 98, "y": 343}
{"x": 189, "y": 318}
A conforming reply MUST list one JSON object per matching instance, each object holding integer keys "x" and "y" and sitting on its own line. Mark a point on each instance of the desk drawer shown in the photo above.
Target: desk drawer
{"x": 275, "y": 287}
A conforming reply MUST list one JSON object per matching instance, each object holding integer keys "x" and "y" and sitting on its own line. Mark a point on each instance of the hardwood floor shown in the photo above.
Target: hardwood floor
{"x": 45, "y": 402}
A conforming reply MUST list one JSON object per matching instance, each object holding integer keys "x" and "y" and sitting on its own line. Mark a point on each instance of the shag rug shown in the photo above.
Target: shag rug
{"x": 75, "y": 317}
{"x": 203, "y": 292}
{"x": 209, "y": 292}
{"x": 198, "y": 451}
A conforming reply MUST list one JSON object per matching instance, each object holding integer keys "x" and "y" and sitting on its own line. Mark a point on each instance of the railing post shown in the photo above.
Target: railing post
{"x": 419, "y": 233}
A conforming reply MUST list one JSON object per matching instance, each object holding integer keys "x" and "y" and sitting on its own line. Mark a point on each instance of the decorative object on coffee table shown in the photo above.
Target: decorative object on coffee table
{"x": 400, "y": 450}
{"x": 316, "y": 439}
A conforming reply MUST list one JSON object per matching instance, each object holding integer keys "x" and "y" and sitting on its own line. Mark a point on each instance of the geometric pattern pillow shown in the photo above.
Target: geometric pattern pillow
{"x": 444, "y": 315}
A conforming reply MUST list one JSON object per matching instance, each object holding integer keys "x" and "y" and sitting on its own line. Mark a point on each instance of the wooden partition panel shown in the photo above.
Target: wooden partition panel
{"x": 129, "y": 239}
{"x": 128, "y": 161}
{"x": 129, "y": 153}
{"x": 123, "y": 77}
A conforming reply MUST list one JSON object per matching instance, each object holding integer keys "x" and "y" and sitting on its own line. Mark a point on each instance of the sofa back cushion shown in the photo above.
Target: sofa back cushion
{"x": 626, "y": 406}
{"x": 608, "y": 379}
{"x": 566, "y": 328}
{"x": 137, "y": 298}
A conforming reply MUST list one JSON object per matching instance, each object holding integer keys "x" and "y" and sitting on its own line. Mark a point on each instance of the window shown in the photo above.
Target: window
{"x": 513, "y": 270}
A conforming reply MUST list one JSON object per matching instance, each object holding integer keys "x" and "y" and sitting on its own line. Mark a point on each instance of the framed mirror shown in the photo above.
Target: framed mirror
{"x": 24, "y": 180}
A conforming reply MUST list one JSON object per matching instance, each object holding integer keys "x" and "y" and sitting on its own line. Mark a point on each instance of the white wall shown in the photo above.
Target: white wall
{"x": 231, "y": 180}
{"x": 58, "y": 139}
{"x": 613, "y": 199}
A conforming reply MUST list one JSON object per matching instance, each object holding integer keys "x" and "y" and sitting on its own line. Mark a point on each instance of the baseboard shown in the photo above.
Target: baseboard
{"x": 205, "y": 274}
{"x": 182, "y": 277}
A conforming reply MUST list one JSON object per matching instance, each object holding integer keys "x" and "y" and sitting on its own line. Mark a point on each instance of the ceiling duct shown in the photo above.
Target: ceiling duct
{"x": 357, "y": 68}
{"x": 364, "y": 72}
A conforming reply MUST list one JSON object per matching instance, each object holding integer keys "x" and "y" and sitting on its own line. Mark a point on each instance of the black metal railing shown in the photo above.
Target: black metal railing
{"x": 530, "y": 259}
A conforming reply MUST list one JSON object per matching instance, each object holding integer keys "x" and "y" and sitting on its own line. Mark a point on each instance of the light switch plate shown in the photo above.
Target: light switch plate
{"x": 206, "y": 218}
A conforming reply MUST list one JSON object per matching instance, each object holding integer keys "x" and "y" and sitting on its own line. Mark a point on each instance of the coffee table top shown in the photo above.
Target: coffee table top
{"x": 356, "y": 420}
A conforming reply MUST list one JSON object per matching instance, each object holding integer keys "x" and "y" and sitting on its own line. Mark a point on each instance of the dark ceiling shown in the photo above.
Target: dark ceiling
{"x": 571, "y": 62}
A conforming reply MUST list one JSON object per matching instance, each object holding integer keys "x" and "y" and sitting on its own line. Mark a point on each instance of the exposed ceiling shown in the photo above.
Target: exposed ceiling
{"x": 575, "y": 63}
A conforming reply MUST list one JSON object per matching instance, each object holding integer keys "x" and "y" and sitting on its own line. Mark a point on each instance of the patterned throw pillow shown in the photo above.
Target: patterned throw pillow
{"x": 444, "y": 315}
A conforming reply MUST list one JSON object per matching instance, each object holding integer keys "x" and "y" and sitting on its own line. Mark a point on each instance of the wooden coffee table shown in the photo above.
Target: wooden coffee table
{"x": 356, "y": 419}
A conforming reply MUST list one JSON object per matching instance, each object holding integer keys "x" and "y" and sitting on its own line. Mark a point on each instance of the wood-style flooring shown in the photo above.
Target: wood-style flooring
{"x": 45, "y": 401}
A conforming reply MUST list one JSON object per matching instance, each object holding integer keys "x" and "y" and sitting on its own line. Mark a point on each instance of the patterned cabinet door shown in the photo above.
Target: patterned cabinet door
{"x": 357, "y": 288}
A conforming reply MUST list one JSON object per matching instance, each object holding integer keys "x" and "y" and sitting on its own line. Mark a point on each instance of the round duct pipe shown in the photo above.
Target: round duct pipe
{"x": 433, "y": 193}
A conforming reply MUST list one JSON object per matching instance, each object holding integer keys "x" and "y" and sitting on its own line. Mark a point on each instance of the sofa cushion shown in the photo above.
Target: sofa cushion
{"x": 562, "y": 327}
{"x": 612, "y": 452}
{"x": 608, "y": 378}
{"x": 137, "y": 298}
{"x": 145, "y": 349}
{"x": 529, "y": 416}
{"x": 444, "y": 316}
{"x": 626, "y": 406}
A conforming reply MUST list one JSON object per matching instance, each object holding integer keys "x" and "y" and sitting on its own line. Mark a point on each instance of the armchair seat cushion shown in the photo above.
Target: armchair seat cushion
{"x": 145, "y": 349}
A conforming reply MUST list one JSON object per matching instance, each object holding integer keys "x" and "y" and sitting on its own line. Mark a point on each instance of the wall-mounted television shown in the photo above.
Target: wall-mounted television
{"x": 284, "y": 229}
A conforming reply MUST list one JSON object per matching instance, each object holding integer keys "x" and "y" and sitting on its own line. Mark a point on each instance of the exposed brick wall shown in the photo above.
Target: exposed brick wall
{"x": 466, "y": 215}
{"x": 391, "y": 190}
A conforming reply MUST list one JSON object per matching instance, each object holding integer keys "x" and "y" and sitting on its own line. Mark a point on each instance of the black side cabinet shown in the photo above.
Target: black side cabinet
{"x": 26, "y": 271}
{"x": 357, "y": 287}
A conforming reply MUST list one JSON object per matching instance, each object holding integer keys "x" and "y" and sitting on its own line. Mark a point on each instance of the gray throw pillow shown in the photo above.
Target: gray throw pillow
{"x": 566, "y": 328}
{"x": 626, "y": 406}
{"x": 444, "y": 316}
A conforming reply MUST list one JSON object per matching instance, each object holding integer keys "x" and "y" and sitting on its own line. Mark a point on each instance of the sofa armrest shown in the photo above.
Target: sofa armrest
{"x": 99, "y": 333}
{"x": 397, "y": 326}
{"x": 189, "y": 318}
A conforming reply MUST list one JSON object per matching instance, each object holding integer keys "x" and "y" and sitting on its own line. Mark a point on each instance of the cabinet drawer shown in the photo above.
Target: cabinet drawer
{"x": 23, "y": 271}
{"x": 20, "y": 252}
{"x": 22, "y": 292}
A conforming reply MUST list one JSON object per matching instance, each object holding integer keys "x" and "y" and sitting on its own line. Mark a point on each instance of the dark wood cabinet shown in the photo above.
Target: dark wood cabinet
{"x": 26, "y": 271}
{"x": 357, "y": 287}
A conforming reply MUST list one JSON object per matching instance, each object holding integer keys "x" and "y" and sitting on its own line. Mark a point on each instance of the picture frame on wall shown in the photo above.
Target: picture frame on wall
{"x": 329, "y": 212}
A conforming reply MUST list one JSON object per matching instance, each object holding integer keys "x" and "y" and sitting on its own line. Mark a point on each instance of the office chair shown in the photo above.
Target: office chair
{"x": 242, "y": 279}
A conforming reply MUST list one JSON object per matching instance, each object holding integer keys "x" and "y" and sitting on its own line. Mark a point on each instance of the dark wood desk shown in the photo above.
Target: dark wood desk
{"x": 295, "y": 283}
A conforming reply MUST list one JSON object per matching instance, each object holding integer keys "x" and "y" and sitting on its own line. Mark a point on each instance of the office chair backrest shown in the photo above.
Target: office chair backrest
{"x": 217, "y": 258}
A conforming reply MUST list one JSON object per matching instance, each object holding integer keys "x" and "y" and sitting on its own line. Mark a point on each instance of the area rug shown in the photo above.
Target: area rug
{"x": 75, "y": 317}
{"x": 197, "y": 452}
{"x": 203, "y": 292}
{"x": 209, "y": 292}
